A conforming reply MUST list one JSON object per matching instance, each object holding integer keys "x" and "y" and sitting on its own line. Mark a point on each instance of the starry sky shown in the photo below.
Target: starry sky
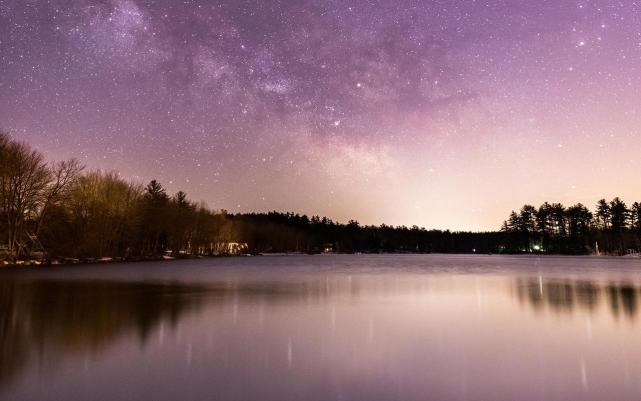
{"x": 444, "y": 114}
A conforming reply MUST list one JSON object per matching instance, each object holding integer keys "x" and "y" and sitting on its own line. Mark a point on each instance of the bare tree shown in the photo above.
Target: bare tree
{"x": 63, "y": 176}
{"x": 24, "y": 179}
{"x": 28, "y": 187}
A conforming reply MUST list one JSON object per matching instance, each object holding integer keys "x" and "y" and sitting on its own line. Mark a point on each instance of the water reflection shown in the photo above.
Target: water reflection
{"x": 79, "y": 316}
{"x": 568, "y": 295}
{"x": 320, "y": 333}
{"x": 76, "y": 316}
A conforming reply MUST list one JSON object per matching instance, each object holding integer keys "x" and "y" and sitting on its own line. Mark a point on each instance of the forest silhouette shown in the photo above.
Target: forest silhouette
{"x": 60, "y": 212}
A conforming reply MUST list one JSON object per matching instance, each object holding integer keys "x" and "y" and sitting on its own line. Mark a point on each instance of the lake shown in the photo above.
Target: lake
{"x": 324, "y": 327}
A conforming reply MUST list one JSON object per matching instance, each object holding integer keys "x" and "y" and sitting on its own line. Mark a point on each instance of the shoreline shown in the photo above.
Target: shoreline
{"x": 108, "y": 260}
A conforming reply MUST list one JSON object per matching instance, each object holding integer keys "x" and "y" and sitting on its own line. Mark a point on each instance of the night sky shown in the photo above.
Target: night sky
{"x": 444, "y": 114}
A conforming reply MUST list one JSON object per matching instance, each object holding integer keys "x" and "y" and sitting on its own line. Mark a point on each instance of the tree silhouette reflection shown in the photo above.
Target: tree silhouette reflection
{"x": 79, "y": 316}
{"x": 624, "y": 297}
{"x": 69, "y": 317}
{"x": 566, "y": 295}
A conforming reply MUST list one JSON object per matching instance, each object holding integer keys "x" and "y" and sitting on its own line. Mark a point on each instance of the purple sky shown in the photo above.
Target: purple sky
{"x": 444, "y": 114}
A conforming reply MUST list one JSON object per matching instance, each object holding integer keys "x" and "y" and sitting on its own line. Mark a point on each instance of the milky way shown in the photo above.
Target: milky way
{"x": 435, "y": 113}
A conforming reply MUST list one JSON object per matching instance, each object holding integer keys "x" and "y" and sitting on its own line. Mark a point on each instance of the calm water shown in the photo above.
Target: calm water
{"x": 325, "y": 328}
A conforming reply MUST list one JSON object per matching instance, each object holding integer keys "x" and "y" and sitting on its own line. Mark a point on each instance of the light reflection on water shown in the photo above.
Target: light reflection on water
{"x": 325, "y": 328}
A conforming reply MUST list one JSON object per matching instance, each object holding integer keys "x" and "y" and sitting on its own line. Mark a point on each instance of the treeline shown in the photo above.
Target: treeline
{"x": 613, "y": 228}
{"x": 60, "y": 211}
{"x": 287, "y": 232}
